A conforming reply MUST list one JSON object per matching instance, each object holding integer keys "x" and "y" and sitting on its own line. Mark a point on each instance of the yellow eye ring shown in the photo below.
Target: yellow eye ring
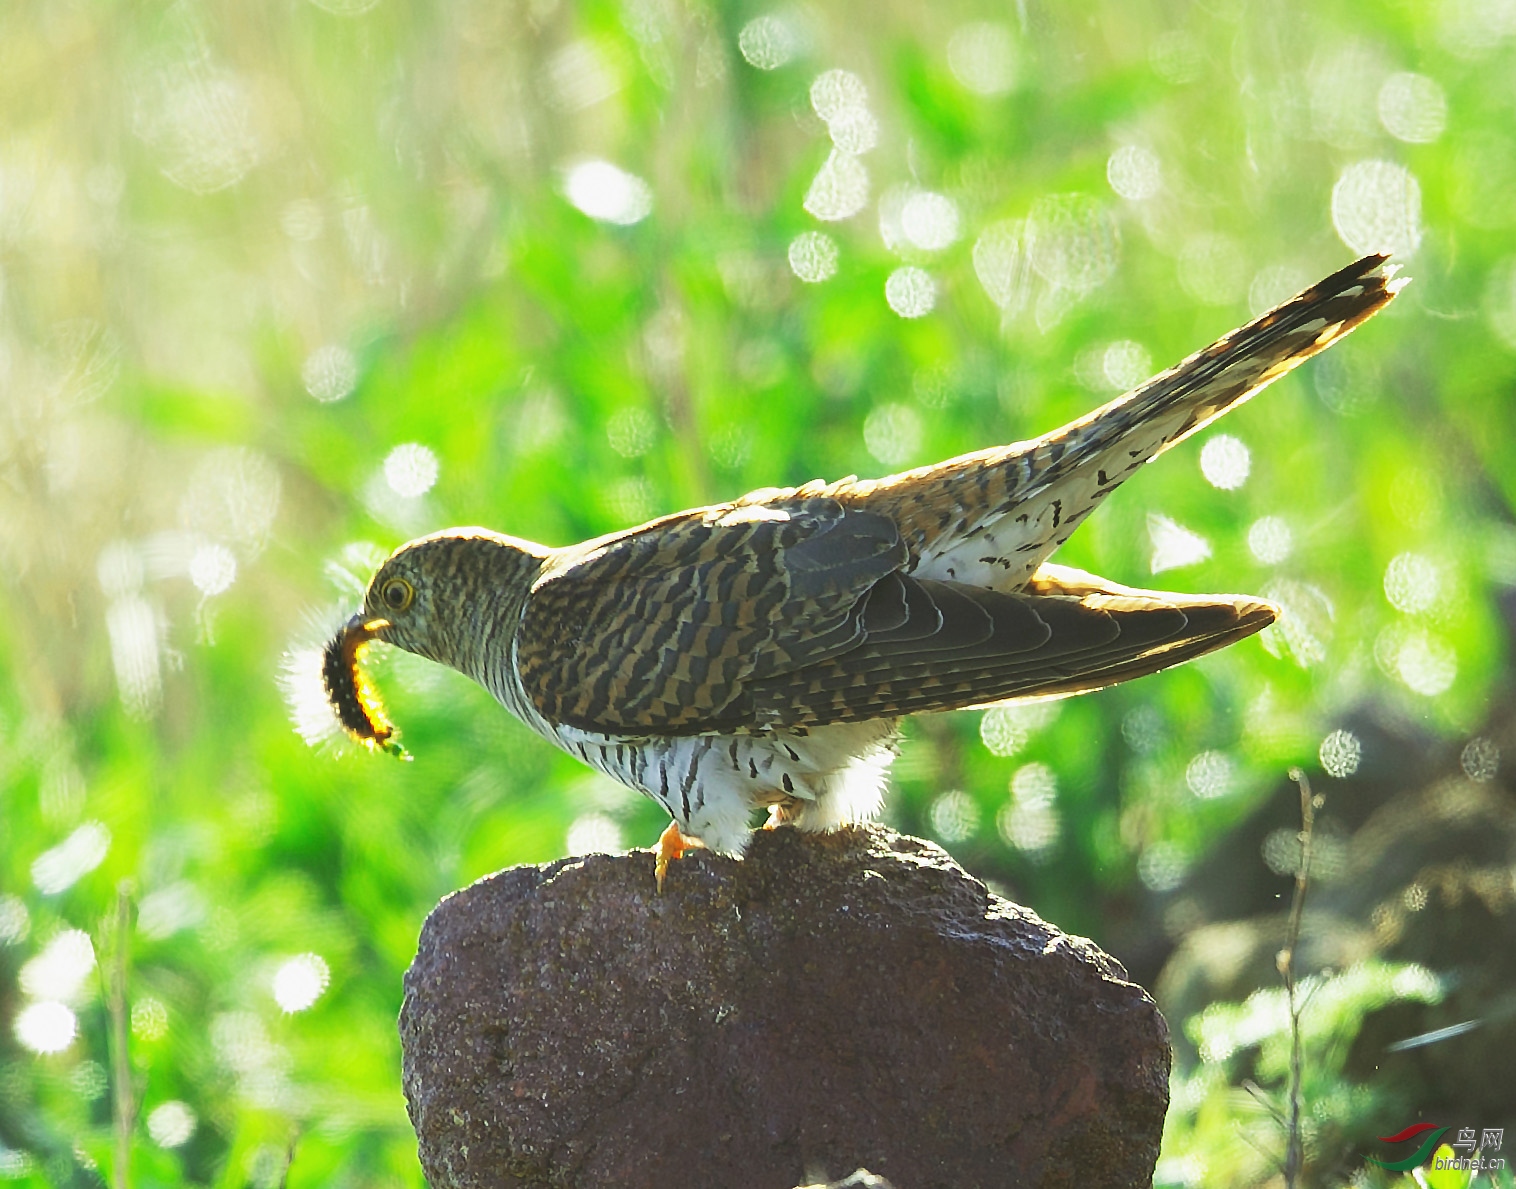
{"x": 397, "y": 594}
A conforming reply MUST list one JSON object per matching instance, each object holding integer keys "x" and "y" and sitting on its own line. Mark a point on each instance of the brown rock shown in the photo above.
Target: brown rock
{"x": 833, "y": 1001}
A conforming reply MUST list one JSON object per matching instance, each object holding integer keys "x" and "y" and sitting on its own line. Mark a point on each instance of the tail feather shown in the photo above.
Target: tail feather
{"x": 992, "y": 517}
{"x": 1239, "y": 365}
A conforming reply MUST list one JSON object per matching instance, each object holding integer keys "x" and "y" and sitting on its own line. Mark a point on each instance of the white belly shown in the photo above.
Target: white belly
{"x": 712, "y": 784}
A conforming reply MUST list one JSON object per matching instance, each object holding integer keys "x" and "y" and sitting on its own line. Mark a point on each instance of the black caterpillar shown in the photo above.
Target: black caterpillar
{"x": 352, "y": 696}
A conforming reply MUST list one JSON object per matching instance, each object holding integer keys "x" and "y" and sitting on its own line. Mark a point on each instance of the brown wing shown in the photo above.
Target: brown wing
{"x": 932, "y": 645}
{"x": 665, "y": 629}
{"x": 797, "y": 613}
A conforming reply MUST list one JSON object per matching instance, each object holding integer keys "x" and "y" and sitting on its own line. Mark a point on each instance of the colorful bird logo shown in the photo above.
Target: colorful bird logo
{"x": 1419, "y": 1157}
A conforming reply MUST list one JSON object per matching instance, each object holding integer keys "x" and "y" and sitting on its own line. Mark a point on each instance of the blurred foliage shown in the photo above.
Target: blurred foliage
{"x": 254, "y": 256}
{"x": 1236, "y": 1138}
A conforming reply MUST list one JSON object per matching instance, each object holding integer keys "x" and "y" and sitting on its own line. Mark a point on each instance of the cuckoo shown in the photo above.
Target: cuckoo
{"x": 761, "y": 653}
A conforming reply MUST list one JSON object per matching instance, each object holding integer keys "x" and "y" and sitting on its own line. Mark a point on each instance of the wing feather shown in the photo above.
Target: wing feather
{"x": 1090, "y": 636}
{"x": 663, "y": 630}
{"x": 805, "y": 617}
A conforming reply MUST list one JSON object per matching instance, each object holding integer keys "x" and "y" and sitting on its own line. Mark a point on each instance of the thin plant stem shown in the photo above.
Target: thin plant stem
{"x": 1294, "y": 1158}
{"x": 125, "y": 1109}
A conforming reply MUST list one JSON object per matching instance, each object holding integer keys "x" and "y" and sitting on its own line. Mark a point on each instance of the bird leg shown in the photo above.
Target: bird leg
{"x": 782, "y": 812}
{"x": 672, "y": 844}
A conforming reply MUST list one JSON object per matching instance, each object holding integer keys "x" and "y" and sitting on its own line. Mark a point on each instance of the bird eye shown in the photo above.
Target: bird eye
{"x": 397, "y": 594}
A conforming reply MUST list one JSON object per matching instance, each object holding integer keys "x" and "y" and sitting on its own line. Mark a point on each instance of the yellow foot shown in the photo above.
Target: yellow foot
{"x": 781, "y": 813}
{"x": 672, "y": 844}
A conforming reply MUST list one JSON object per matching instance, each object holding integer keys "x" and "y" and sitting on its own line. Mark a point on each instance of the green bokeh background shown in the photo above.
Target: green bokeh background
{"x": 211, "y": 214}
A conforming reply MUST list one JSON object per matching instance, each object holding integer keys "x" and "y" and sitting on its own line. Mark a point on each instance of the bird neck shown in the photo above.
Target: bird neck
{"x": 491, "y": 576}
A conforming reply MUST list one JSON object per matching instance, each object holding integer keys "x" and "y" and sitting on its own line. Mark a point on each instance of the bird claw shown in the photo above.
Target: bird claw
{"x": 672, "y": 844}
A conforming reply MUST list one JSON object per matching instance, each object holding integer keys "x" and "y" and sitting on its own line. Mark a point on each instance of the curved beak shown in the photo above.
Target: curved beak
{"x": 365, "y": 629}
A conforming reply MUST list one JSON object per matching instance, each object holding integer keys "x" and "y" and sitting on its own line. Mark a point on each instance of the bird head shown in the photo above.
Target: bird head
{"x": 442, "y": 597}
{"x": 439, "y": 596}
{"x": 401, "y": 604}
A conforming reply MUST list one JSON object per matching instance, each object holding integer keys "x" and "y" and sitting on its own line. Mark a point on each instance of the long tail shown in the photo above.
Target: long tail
{"x": 992, "y": 517}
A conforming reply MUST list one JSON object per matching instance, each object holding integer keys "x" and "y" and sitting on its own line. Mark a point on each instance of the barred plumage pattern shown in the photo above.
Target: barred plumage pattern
{"x": 760, "y": 652}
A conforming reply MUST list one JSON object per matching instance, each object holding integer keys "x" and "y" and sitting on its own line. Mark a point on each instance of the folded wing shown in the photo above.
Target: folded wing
{"x": 959, "y": 646}
{"x": 799, "y": 613}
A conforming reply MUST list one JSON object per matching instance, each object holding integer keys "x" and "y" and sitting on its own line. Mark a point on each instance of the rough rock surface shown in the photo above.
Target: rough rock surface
{"x": 833, "y": 1001}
